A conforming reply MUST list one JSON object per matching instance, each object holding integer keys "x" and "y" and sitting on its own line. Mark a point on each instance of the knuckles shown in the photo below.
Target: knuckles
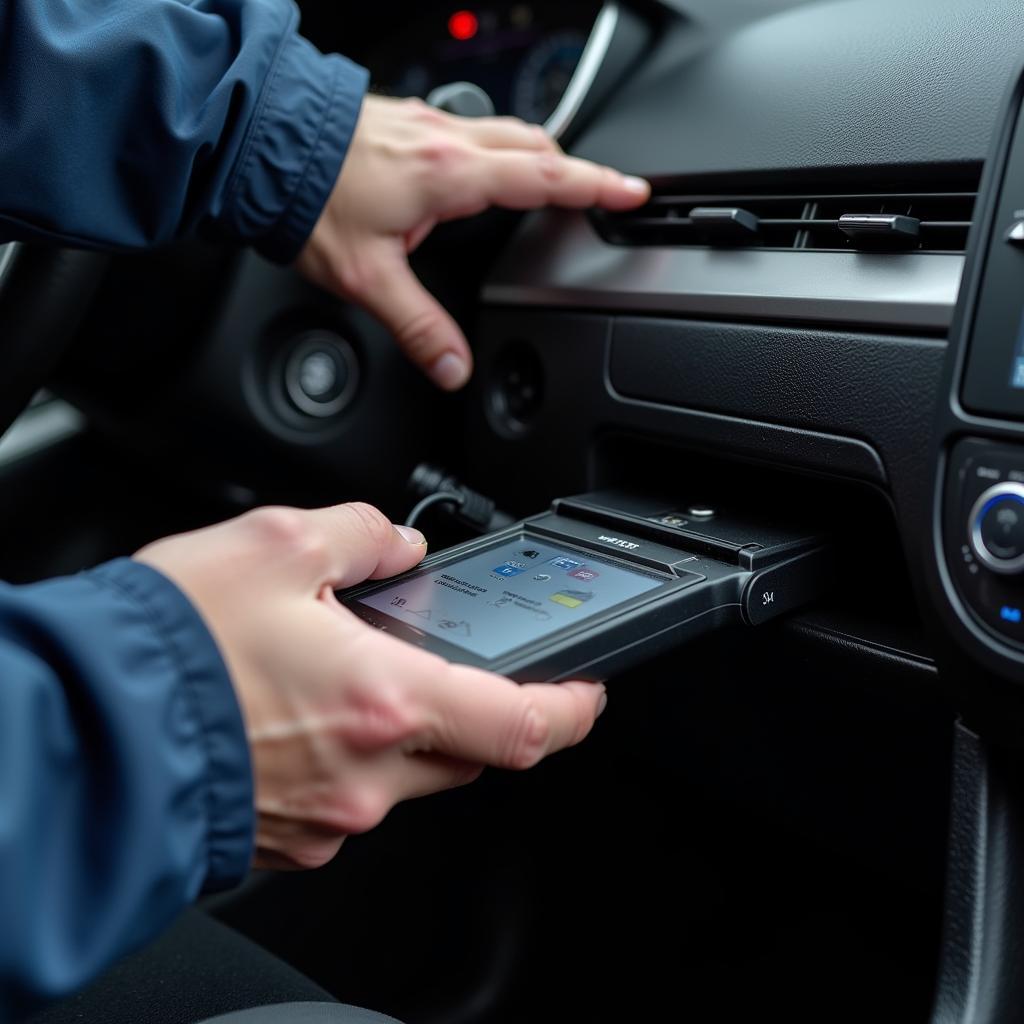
{"x": 370, "y": 521}
{"x": 288, "y": 531}
{"x": 553, "y": 168}
{"x": 379, "y": 717}
{"x": 423, "y": 112}
{"x": 310, "y": 854}
{"x": 440, "y": 157}
{"x": 528, "y": 740}
{"x": 359, "y": 809}
{"x": 277, "y": 524}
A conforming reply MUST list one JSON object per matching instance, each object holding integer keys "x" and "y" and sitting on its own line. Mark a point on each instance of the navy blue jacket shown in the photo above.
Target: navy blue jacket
{"x": 125, "y": 783}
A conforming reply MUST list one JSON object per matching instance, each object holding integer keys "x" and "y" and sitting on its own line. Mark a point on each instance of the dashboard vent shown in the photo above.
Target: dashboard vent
{"x": 842, "y": 222}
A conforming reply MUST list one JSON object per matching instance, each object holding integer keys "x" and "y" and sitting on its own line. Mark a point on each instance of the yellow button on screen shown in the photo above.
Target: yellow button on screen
{"x": 569, "y": 602}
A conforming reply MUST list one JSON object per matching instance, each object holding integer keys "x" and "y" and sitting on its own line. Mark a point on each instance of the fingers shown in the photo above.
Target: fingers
{"x": 423, "y": 774}
{"x": 414, "y": 238}
{"x": 424, "y": 330}
{"x": 506, "y": 133}
{"x": 289, "y": 844}
{"x": 361, "y": 543}
{"x": 424, "y": 705}
{"x": 485, "y": 719}
{"x": 359, "y": 804}
{"x": 526, "y": 180}
{"x": 339, "y": 546}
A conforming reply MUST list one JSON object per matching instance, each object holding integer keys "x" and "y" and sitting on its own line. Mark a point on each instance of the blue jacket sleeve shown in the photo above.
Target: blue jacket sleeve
{"x": 129, "y": 123}
{"x": 125, "y": 782}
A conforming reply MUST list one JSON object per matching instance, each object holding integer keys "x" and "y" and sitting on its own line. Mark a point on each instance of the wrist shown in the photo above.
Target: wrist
{"x": 309, "y": 110}
{"x": 218, "y": 729}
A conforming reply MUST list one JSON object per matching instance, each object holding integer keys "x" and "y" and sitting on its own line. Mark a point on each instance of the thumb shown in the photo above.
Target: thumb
{"x": 361, "y": 543}
{"x": 422, "y": 327}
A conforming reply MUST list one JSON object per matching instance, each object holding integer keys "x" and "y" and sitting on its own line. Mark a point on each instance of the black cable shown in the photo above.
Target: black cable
{"x": 474, "y": 510}
{"x": 437, "y": 498}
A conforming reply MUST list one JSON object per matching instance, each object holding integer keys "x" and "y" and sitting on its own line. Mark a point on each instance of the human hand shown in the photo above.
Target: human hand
{"x": 345, "y": 721}
{"x": 410, "y": 167}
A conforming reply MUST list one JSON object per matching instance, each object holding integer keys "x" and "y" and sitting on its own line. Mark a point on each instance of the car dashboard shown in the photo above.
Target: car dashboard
{"x": 521, "y": 55}
{"x": 769, "y": 332}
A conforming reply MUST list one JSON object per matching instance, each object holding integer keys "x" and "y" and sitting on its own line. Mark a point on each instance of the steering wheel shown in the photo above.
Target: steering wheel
{"x": 44, "y": 294}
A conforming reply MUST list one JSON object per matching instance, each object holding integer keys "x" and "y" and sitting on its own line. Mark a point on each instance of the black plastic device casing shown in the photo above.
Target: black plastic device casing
{"x": 717, "y": 570}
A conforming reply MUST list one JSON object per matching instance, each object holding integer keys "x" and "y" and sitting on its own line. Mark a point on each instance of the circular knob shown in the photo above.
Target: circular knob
{"x": 996, "y": 528}
{"x": 321, "y": 374}
{"x": 462, "y": 98}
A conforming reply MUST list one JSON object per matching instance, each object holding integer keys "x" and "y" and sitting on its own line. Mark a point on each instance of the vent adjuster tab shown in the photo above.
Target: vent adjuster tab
{"x": 726, "y": 223}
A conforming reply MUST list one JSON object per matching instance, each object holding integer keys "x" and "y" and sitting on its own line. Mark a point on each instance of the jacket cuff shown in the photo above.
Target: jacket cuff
{"x": 228, "y": 784}
{"x": 300, "y": 134}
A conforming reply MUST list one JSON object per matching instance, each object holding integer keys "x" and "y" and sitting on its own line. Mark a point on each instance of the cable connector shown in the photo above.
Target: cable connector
{"x": 435, "y": 486}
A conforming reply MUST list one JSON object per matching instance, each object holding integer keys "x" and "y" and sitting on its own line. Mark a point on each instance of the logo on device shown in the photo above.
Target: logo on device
{"x": 510, "y": 569}
{"x": 530, "y": 554}
{"x": 568, "y": 564}
{"x": 571, "y": 598}
{"x": 586, "y": 574}
{"x": 619, "y": 542}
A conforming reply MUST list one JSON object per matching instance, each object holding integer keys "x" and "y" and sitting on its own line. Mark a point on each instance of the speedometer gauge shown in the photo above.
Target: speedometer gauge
{"x": 522, "y": 53}
{"x": 545, "y": 74}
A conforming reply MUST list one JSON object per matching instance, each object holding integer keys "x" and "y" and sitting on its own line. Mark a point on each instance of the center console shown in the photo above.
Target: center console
{"x": 978, "y": 514}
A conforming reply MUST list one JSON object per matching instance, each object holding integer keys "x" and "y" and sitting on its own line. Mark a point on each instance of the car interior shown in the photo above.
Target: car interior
{"x": 816, "y": 318}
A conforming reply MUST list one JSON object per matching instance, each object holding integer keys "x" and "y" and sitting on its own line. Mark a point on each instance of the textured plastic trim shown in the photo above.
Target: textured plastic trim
{"x": 559, "y": 260}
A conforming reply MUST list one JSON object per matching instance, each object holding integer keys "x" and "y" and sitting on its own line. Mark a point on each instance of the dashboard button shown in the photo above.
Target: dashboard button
{"x": 996, "y": 528}
{"x": 321, "y": 374}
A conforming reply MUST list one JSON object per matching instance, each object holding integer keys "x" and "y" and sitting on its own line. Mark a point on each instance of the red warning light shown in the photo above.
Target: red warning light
{"x": 463, "y": 25}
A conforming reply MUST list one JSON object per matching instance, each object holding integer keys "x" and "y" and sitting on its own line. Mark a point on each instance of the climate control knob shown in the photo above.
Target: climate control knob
{"x": 996, "y": 528}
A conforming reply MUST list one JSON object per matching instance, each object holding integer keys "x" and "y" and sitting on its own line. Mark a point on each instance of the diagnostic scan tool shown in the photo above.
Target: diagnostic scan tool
{"x": 596, "y": 585}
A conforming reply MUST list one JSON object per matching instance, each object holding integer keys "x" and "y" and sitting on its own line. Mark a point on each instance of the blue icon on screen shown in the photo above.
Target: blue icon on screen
{"x": 1010, "y": 614}
{"x": 568, "y": 564}
{"x": 508, "y": 569}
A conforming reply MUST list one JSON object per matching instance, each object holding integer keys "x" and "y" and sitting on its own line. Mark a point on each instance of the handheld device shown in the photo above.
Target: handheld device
{"x": 597, "y": 584}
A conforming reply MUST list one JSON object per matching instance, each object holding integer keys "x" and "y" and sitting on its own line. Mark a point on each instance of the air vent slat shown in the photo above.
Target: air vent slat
{"x": 804, "y": 222}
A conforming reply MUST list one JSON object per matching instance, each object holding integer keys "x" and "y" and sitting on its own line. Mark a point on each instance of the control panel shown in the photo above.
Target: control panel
{"x": 984, "y": 533}
{"x": 977, "y": 551}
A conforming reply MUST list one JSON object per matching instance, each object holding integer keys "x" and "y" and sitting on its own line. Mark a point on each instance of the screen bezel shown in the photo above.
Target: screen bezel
{"x": 351, "y": 599}
{"x": 997, "y": 317}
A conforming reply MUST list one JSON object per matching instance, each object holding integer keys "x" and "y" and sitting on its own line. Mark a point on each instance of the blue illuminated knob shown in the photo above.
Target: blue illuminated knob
{"x": 996, "y": 528}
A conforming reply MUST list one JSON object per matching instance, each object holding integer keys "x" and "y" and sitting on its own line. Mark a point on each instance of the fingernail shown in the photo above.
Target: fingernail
{"x": 450, "y": 372}
{"x": 602, "y": 704}
{"x": 410, "y": 535}
{"x": 638, "y": 185}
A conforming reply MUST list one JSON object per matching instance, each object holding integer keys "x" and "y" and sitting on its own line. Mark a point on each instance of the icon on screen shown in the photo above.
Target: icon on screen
{"x": 530, "y": 554}
{"x": 509, "y": 569}
{"x": 542, "y": 577}
{"x": 585, "y": 573}
{"x": 571, "y": 598}
{"x": 460, "y": 626}
{"x": 398, "y": 602}
{"x": 568, "y": 564}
